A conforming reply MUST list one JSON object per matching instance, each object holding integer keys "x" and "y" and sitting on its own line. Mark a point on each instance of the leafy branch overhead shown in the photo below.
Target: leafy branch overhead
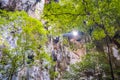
{"x": 84, "y": 15}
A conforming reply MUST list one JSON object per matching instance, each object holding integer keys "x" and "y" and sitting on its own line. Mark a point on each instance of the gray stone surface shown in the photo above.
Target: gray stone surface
{"x": 33, "y": 7}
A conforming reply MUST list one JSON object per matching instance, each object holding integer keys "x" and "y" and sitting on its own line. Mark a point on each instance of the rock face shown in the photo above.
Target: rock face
{"x": 33, "y": 7}
{"x": 63, "y": 56}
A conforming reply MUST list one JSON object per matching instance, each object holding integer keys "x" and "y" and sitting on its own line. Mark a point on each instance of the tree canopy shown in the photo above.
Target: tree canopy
{"x": 99, "y": 18}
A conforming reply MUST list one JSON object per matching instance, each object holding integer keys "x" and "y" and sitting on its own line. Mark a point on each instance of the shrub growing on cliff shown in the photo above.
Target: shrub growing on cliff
{"x": 28, "y": 34}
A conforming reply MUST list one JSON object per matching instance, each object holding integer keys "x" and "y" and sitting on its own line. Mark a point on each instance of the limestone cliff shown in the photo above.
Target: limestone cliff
{"x": 33, "y": 7}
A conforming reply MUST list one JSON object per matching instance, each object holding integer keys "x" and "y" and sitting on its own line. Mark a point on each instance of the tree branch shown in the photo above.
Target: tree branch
{"x": 57, "y": 14}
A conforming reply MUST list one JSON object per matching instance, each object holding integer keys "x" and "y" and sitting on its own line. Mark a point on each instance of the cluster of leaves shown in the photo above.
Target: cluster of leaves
{"x": 91, "y": 65}
{"x": 100, "y": 16}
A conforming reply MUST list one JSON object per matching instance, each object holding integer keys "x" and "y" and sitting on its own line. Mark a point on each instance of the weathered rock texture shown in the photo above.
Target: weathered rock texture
{"x": 33, "y": 7}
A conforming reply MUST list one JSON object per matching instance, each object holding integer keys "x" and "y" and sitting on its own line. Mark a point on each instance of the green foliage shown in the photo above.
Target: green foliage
{"x": 53, "y": 74}
{"x": 31, "y": 35}
{"x": 94, "y": 62}
{"x": 61, "y": 15}
{"x": 98, "y": 34}
{"x": 84, "y": 15}
{"x": 90, "y": 46}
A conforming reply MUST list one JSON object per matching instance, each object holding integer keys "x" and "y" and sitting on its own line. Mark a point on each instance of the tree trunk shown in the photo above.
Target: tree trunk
{"x": 109, "y": 58}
